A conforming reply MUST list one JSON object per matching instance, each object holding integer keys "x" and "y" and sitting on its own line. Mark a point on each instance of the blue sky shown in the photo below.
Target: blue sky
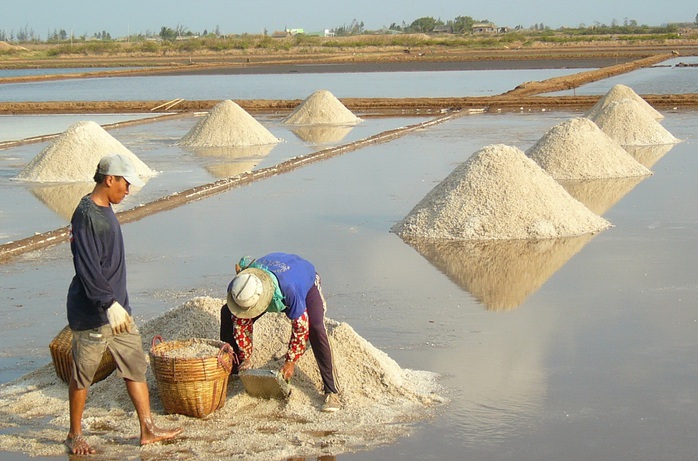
{"x": 122, "y": 17}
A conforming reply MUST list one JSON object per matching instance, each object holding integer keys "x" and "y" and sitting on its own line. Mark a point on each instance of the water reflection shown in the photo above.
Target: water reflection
{"x": 63, "y": 198}
{"x": 500, "y": 274}
{"x": 649, "y": 155}
{"x": 319, "y": 134}
{"x": 225, "y": 162}
{"x": 599, "y": 195}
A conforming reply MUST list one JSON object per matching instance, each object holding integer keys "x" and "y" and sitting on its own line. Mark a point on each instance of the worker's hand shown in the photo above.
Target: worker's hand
{"x": 287, "y": 370}
{"x": 119, "y": 320}
{"x": 244, "y": 365}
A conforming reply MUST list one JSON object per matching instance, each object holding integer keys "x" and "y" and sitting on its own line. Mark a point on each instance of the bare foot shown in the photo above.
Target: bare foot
{"x": 78, "y": 445}
{"x": 153, "y": 434}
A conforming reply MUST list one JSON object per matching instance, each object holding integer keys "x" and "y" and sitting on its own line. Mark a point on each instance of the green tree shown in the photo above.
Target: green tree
{"x": 167, "y": 34}
{"x": 425, "y": 24}
{"x": 463, "y": 24}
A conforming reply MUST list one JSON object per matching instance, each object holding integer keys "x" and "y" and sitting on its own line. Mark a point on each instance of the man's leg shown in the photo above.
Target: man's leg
{"x": 322, "y": 350}
{"x": 138, "y": 391}
{"x": 75, "y": 442}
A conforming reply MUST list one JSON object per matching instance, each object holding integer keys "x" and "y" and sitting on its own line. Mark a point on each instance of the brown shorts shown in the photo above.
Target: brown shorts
{"x": 89, "y": 347}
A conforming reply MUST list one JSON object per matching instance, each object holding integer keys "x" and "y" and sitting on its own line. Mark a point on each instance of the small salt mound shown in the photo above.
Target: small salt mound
{"x": 498, "y": 193}
{"x": 228, "y": 124}
{"x": 321, "y": 107}
{"x": 618, "y": 93}
{"x": 626, "y": 122}
{"x": 579, "y": 149}
{"x": 74, "y": 156}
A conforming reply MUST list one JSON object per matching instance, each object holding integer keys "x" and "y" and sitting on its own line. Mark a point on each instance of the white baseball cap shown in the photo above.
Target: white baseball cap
{"x": 120, "y": 165}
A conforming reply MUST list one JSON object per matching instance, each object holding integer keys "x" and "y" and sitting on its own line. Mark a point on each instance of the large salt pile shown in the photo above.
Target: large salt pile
{"x": 228, "y": 124}
{"x": 321, "y": 107}
{"x": 579, "y": 149}
{"x": 629, "y": 124}
{"x": 74, "y": 156}
{"x": 381, "y": 401}
{"x": 618, "y": 93}
{"x": 498, "y": 193}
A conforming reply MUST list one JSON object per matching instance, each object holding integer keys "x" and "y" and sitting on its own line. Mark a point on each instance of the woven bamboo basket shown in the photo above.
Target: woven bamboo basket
{"x": 191, "y": 386}
{"x": 62, "y": 354}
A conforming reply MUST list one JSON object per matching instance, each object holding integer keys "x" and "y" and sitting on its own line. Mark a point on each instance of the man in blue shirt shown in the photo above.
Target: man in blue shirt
{"x": 99, "y": 313}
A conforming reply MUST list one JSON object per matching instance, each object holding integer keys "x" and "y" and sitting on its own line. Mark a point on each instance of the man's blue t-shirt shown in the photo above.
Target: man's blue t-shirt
{"x": 100, "y": 268}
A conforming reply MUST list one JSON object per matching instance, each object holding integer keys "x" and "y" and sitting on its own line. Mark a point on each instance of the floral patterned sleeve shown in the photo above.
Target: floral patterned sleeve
{"x": 242, "y": 332}
{"x": 299, "y": 338}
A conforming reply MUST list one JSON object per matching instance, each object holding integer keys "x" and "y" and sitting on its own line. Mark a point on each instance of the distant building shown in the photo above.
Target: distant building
{"x": 484, "y": 28}
{"x": 442, "y": 29}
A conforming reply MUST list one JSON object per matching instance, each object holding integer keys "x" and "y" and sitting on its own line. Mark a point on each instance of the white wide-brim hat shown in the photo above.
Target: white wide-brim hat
{"x": 263, "y": 294}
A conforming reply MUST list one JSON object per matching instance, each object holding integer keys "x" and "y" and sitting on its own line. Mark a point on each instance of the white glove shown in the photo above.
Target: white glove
{"x": 119, "y": 320}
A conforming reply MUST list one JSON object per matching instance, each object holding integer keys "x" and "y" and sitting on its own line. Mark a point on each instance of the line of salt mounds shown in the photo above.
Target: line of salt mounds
{"x": 498, "y": 193}
{"x": 579, "y": 149}
{"x": 228, "y": 125}
{"x": 618, "y": 93}
{"x": 629, "y": 124}
{"x": 74, "y": 156}
{"x": 321, "y": 107}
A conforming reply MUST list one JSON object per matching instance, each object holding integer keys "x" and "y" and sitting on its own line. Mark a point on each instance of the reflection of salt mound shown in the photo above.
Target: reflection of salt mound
{"x": 599, "y": 195}
{"x": 321, "y": 107}
{"x": 74, "y": 156}
{"x": 578, "y": 149}
{"x": 381, "y": 399}
{"x": 648, "y": 155}
{"x": 618, "y": 93}
{"x": 500, "y": 274}
{"x": 233, "y": 161}
{"x": 227, "y": 125}
{"x": 626, "y": 122}
{"x": 63, "y": 198}
{"x": 228, "y": 170}
{"x": 319, "y": 134}
{"x": 498, "y": 193}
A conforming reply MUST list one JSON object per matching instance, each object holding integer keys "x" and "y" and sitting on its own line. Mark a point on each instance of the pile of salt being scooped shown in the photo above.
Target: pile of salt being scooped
{"x": 381, "y": 401}
{"x": 321, "y": 107}
{"x": 498, "y": 193}
{"x": 579, "y": 149}
{"x": 227, "y": 125}
{"x": 74, "y": 156}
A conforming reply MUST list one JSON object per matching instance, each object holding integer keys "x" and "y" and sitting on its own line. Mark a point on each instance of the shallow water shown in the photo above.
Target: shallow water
{"x": 594, "y": 359}
{"x": 279, "y": 86}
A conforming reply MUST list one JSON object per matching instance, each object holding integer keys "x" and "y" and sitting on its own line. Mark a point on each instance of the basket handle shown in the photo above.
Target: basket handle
{"x": 157, "y": 338}
{"x": 226, "y": 348}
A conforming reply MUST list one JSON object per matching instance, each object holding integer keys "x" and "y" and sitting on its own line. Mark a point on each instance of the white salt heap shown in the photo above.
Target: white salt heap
{"x": 381, "y": 401}
{"x": 321, "y": 107}
{"x": 579, "y": 149}
{"x": 74, "y": 156}
{"x": 228, "y": 124}
{"x": 629, "y": 124}
{"x": 498, "y": 193}
{"x": 618, "y": 93}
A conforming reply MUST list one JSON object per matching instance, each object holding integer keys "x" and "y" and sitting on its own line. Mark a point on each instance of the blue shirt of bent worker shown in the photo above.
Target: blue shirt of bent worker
{"x": 100, "y": 267}
{"x": 296, "y": 277}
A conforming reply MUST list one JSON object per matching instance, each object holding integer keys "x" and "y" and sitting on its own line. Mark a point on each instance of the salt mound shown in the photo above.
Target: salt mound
{"x": 618, "y": 93}
{"x": 74, "y": 156}
{"x": 228, "y": 124}
{"x": 381, "y": 400}
{"x": 626, "y": 122}
{"x": 321, "y": 107}
{"x": 579, "y": 149}
{"x": 498, "y": 193}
